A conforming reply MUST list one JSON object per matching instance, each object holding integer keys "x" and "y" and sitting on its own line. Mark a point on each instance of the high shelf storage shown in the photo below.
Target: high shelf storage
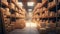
{"x": 46, "y": 15}
{"x": 13, "y": 15}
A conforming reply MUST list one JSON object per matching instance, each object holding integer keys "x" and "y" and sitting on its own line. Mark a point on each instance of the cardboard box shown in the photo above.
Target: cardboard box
{"x": 43, "y": 16}
{"x": 17, "y": 15}
{"x": 51, "y": 4}
{"x": 13, "y": 25}
{"x": 7, "y": 12}
{"x": 38, "y": 5}
{"x": 58, "y": 12}
{"x": 12, "y": 5}
{"x": 20, "y": 24}
{"x": 15, "y": 1}
{"x": 47, "y": 23}
{"x": 41, "y": 10}
{"x": 7, "y": 20}
{"x": 9, "y": 28}
{"x": 51, "y": 14}
{"x": 46, "y": 13}
{"x": 4, "y": 0}
{"x": 52, "y": 25}
{"x": 13, "y": 15}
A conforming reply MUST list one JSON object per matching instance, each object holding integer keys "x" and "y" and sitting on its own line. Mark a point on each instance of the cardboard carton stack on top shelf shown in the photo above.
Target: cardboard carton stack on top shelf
{"x": 11, "y": 14}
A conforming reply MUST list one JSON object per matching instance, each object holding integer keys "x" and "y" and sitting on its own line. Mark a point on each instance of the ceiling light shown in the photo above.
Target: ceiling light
{"x": 29, "y": 9}
{"x": 20, "y": 3}
{"x": 30, "y": 3}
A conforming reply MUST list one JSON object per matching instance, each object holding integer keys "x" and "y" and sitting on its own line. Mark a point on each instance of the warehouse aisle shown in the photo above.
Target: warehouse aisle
{"x": 29, "y": 29}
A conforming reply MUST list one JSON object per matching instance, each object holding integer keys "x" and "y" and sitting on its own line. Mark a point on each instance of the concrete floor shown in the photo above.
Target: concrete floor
{"x": 29, "y": 29}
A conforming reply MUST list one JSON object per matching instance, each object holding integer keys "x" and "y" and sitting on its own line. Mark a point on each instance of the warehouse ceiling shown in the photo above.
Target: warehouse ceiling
{"x": 28, "y": 4}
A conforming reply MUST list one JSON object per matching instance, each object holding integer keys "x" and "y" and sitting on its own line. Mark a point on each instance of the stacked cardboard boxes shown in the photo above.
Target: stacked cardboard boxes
{"x": 13, "y": 15}
{"x": 46, "y": 14}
